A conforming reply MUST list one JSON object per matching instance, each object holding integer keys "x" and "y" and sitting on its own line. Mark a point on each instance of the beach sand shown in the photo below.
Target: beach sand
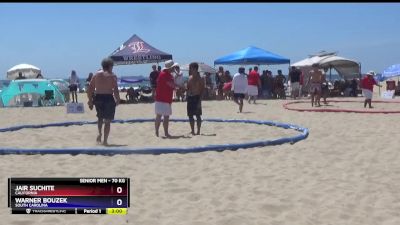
{"x": 346, "y": 172}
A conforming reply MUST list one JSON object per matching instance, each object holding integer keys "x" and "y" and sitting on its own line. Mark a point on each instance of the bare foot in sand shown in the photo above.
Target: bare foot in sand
{"x": 105, "y": 143}
{"x": 157, "y": 133}
{"x": 168, "y": 135}
{"x": 98, "y": 139}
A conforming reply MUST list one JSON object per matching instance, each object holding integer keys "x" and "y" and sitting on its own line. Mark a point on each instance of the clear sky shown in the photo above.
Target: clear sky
{"x": 60, "y": 37}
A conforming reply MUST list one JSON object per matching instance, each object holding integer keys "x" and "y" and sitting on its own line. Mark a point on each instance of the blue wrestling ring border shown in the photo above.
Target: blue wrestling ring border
{"x": 156, "y": 150}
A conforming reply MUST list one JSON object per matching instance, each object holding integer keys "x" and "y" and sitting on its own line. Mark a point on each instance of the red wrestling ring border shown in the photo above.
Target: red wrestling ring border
{"x": 341, "y": 110}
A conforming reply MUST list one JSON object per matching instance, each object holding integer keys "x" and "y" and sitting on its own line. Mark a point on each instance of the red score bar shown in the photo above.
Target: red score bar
{"x": 71, "y": 190}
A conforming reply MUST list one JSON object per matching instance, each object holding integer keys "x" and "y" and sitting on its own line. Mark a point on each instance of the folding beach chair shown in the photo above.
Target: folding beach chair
{"x": 48, "y": 99}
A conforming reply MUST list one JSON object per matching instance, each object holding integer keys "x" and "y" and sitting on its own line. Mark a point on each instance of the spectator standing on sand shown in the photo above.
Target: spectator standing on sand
{"x": 153, "y": 80}
{"x": 220, "y": 81}
{"x": 294, "y": 77}
{"x": 179, "y": 83}
{"x": 254, "y": 83}
{"x": 73, "y": 86}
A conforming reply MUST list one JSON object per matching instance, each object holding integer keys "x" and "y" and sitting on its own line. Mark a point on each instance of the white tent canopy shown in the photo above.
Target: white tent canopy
{"x": 308, "y": 62}
{"x": 27, "y": 70}
{"x": 346, "y": 68}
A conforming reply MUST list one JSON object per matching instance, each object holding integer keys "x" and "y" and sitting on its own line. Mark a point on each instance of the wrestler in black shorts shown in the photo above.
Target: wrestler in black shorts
{"x": 194, "y": 106}
{"x": 238, "y": 95}
{"x": 105, "y": 106}
{"x": 194, "y": 109}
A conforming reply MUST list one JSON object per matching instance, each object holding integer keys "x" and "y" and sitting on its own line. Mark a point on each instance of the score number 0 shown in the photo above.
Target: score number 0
{"x": 119, "y": 191}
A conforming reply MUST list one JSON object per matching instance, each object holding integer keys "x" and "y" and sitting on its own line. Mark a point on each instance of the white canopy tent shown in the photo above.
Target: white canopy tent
{"x": 347, "y": 68}
{"x": 27, "y": 70}
{"x": 308, "y": 62}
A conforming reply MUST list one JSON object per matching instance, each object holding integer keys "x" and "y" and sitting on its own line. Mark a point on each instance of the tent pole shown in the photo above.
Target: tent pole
{"x": 330, "y": 73}
{"x": 288, "y": 74}
{"x": 359, "y": 75}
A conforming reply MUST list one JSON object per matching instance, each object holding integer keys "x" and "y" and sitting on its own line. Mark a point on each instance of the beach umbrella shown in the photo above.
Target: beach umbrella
{"x": 203, "y": 68}
{"x": 29, "y": 71}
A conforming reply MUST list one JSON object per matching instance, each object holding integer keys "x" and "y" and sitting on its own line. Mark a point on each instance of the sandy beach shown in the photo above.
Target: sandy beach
{"x": 346, "y": 172}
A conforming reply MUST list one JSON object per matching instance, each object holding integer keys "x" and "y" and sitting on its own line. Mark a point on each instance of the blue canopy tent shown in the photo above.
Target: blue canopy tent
{"x": 133, "y": 79}
{"x": 137, "y": 51}
{"x": 252, "y": 56}
{"x": 391, "y": 71}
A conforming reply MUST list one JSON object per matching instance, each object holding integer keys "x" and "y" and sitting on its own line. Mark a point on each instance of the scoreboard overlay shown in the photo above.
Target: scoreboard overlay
{"x": 99, "y": 195}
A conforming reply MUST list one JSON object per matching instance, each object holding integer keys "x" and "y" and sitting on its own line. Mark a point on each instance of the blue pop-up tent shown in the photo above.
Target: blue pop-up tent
{"x": 391, "y": 71}
{"x": 132, "y": 79}
{"x": 252, "y": 56}
{"x": 137, "y": 51}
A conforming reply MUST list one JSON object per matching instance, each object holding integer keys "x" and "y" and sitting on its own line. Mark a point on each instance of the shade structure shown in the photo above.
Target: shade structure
{"x": 203, "y": 68}
{"x": 133, "y": 79}
{"x": 27, "y": 70}
{"x": 346, "y": 68}
{"x": 61, "y": 84}
{"x": 308, "y": 62}
{"x": 391, "y": 71}
{"x": 252, "y": 56}
{"x": 137, "y": 51}
{"x": 20, "y": 92}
